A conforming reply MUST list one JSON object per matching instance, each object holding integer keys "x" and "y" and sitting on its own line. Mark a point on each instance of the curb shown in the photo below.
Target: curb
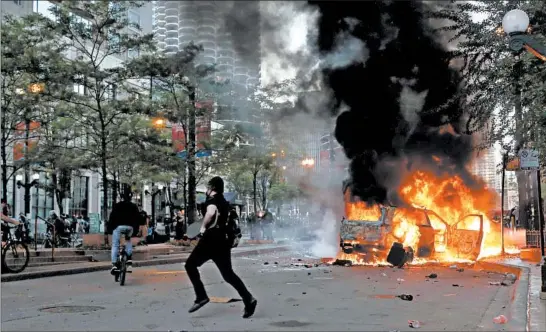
{"x": 518, "y": 313}
{"x": 107, "y": 266}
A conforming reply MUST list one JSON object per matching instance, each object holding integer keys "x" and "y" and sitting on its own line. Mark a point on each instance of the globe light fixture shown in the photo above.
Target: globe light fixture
{"x": 160, "y": 186}
{"x": 516, "y": 24}
{"x": 36, "y": 176}
{"x": 18, "y": 177}
{"x": 515, "y": 21}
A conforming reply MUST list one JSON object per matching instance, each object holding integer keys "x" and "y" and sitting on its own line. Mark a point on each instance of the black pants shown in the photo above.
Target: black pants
{"x": 213, "y": 245}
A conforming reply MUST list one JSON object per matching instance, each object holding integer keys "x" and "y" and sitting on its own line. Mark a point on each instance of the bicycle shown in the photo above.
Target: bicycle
{"x": 122, "y": 263}
{"x": 13, "y": 251}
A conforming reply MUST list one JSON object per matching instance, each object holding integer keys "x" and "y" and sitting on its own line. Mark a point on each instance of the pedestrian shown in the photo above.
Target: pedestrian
{"x": 214, "y": 245}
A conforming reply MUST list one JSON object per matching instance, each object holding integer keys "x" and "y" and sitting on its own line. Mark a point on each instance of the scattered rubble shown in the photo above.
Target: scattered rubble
{"x": 405, "y": 297}
{"x": 432, "y": 276}
{"x": 414, "y": 324}
{"x": 456, "y": 285}
{"x": 501, "y": 319}
{"x": 495, "y": 283}
{"x": 342, "y": 262}
{"x": 400, "y": 280}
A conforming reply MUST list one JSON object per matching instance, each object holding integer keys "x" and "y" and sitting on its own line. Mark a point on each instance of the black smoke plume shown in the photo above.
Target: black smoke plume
{"x": 400, "y": 96}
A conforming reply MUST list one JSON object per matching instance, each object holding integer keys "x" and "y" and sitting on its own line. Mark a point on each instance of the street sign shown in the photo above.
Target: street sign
{"x": 529, "y": 159}
{"x": 513, "y": 164}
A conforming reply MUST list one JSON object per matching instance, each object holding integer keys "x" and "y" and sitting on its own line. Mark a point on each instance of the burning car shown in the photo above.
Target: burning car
{"x": 369, "y": 232}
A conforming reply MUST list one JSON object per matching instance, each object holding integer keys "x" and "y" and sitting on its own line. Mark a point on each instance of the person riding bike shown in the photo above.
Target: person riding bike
{"x": 4, "y": 216}
{"x": 124, "y": 219}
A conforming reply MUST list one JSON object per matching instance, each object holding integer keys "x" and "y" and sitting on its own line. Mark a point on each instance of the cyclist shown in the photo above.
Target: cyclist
{"x": 124, "y": 218}
{"x": 5, "y": 218}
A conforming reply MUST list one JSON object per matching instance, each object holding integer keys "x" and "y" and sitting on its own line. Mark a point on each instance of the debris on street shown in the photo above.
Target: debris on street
{"x": 432, "y": 276}
{"x": 342, "y": 262}
{"x": 405, "y": 297}
{"x": 495, "y": 283}
{"x": 414, "y": 324}
{"x": 400, "y": 280}
{"x": 501, "y": 319}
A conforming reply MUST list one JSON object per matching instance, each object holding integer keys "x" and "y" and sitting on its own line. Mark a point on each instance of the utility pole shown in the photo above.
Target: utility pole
{"x": 192, "y": 181}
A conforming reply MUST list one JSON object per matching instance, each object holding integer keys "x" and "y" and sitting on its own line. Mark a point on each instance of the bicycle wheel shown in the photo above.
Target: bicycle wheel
{"x": 122, "y": 269}
{"x": 15, "y": 257}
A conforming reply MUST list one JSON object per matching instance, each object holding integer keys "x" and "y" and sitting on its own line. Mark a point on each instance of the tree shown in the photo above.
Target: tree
{"x": 27, "y": 48}
{"x": 185, "y": 92}
{"x": 91, "y": 89}
{"x": 280, "y": 193}
{"x": 502, "y": 93}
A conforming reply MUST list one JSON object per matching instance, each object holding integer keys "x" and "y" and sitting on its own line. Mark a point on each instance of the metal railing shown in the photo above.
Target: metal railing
{"x": 532, "y": 239}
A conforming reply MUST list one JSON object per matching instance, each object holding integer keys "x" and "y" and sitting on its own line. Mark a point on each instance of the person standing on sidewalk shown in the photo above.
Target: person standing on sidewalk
{"x": 214, "y": 244}
{"x": 124, "y": 218}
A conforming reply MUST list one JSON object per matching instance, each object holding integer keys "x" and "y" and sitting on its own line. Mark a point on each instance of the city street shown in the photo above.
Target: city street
{"x": 293, "y": 294}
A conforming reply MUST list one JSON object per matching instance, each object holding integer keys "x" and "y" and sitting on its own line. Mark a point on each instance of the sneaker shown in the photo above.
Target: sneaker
{"x": 114, "y": 270}
{"x": 198, "y": 305}
{"x": 250, "y": 308}
{"x": 129, "y": 265}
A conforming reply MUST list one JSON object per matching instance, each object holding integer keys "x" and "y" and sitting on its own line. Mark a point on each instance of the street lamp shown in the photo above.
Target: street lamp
{"x": 160, "y": 188}
{"x": 159, "y": 123}
{"x": 308, "y": 162}
{"x": 516, "y": 23}
{"x": 27, "y": 185}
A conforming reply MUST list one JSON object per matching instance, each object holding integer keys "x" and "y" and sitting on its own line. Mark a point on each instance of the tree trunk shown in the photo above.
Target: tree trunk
{"x": 57, "y": 191}
{"x": 255, "y": 190}
{"x": 520, "y": 175}
{"x": 192, "y": 181}
{"x": 185, "y": 194}
{"x": 264, "y": 192}
{"x": 4, "y": 157}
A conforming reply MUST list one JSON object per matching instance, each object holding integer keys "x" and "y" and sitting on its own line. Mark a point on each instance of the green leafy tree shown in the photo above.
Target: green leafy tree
{"x": 27, "y": 49}
{"x": 91, "y": 88}
{"x": 181, "y": 88}
{"x": 503, "y": 92}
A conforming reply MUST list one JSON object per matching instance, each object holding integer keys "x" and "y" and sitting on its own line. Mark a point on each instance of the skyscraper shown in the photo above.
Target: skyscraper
{"x": 211, "y": 24}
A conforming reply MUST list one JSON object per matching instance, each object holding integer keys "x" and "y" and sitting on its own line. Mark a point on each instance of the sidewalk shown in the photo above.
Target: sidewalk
{"x": 86, "y": 267}
{"x": 536, "y": 308}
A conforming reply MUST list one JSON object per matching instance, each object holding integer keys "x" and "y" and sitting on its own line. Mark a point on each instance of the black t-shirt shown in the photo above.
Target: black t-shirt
{"x": 222, "y": 206}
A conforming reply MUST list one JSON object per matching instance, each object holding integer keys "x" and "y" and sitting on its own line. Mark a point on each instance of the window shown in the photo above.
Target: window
{"x": 80, "y": 196}
{"x": 134, "y": 18}
{"x": 133, "y": 53}
{"x": 17, "y": 2}
{"x": 43, "y": 200}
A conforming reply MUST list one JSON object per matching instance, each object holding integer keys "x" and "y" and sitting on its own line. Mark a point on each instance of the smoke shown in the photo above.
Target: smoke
{"x": 326, "y": 243}
{"x": 401, "y": 95}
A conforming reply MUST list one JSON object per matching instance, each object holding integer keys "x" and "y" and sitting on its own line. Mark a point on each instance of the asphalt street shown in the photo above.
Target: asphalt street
{"x": 290, "y": 296}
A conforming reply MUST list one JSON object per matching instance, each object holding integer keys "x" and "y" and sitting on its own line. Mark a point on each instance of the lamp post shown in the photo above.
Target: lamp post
{"x": 516, "y": 23}
{"x": 34, "y": 88}
{"x": 27, "y": 185}
{"x": 154, "y": 193}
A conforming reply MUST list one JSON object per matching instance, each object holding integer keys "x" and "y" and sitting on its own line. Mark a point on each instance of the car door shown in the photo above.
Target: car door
{"x": 464, "y": 238}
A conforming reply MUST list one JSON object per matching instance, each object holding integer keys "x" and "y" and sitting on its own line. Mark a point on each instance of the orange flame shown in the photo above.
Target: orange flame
{"x": 449, "y": 202}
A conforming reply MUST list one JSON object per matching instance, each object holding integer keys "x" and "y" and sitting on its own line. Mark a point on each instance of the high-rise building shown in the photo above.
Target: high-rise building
{"x": 485, "y": 167}
{"x": 177, "y": 23}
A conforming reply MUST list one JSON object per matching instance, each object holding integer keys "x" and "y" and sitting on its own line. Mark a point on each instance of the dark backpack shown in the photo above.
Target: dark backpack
{"x": 233, "y": 230}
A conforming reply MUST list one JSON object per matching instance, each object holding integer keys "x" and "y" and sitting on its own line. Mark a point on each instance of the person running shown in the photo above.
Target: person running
{"x": 214, "y": 245}
{"x": 124, "y": 218}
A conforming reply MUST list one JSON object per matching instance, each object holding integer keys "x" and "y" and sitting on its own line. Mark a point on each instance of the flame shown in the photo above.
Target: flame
{"x": 450, "y": 205}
